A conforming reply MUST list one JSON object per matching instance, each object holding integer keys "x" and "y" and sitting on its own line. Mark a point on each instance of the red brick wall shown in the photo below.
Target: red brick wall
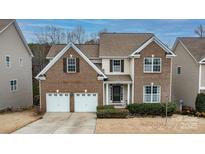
{"x": 162, "y": 79}
{"x": 70, "y": 82}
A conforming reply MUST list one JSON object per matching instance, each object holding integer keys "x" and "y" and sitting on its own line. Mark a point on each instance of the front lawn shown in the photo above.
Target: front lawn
{"x": 176, "y": 124}
{"x": 11, "y": 121}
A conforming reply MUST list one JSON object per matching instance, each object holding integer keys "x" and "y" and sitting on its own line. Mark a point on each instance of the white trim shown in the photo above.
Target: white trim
{"x": 170, "y": 97}
{"x": 201, "y": 88}
{"x": 118, "y": 82}
{"x": 61, "y": 53}
{"x": 201, "y": 61}
{"x": 199, "y": 78}
{"x": 128, "y": 93}
{"x": 156, "y": 40}
{"x": 152, "y": 71}
{"x": 107, "y": 98}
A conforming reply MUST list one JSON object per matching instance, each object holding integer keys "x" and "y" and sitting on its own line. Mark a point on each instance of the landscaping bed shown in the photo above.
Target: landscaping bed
{"x": 11, "y": 121}
{"x": 175, "y": 124}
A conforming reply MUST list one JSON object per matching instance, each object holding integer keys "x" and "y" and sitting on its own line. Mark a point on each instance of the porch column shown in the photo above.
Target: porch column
{"x": 107, "y": 98}
{"x": 128, "y": 93}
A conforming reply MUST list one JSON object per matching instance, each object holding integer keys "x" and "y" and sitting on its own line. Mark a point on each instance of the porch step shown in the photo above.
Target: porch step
{"x": 119, "y": 106}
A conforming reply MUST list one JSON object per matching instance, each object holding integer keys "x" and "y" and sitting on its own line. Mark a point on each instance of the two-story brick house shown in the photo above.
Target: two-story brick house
{"x": 123, "y": 68}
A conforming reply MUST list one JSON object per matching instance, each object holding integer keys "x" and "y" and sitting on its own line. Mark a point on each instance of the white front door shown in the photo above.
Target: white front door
{"x": 58, "y": 102}
{"x": 85, "y": 102}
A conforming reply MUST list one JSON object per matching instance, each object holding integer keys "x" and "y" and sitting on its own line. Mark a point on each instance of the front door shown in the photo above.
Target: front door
{"x": 116, "y": 93}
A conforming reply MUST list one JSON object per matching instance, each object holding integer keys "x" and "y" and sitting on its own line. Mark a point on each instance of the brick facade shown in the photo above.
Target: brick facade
{"x": 56, "y": 79}
{"x": 162, "y": 79}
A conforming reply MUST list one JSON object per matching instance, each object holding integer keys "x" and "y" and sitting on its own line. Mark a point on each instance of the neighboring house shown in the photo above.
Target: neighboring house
{"x": 188, "y": 69}
{"x": 123, "y": 68}
{"x": 15, "y": 67}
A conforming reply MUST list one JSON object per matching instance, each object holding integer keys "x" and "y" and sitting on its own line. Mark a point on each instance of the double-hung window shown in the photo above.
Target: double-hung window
{"x": 116, "y": 66}
{"x": 8, "y": 61}
{"x": 13, "y": 85}
{"x": 71, "y": 65}
{"x": 152, "y": 65}
{"x": 152, "y": 94}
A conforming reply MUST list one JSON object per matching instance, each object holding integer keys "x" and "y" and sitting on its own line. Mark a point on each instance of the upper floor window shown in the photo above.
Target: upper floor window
{"x": 152, "y": 65}
{"x": 152, "y": 94}
{"x": 71, "y": 65}
{"x": 8, "y": 61}
{"x": 179, "y": 70}
{"x": 116, "y": 65}
{"x": 21, "y": 61}
{"x": 13, "y": 85}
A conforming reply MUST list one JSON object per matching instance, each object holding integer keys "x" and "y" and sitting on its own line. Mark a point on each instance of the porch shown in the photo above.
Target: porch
{"x": 118, "y": 93}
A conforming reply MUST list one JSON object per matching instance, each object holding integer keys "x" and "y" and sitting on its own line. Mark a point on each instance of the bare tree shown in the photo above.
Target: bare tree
{"x": 200, "y": 31}
{"x": 79, "y": 34}
{"x": 94, "y": 37}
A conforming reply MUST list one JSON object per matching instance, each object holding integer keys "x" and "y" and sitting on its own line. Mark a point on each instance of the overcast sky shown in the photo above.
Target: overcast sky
{"x": 166, "y": 30}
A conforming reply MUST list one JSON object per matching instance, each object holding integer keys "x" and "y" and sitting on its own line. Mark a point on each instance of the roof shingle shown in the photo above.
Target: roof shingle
{"x": 195, "y": 45}
{"x": 90, "y": 50}
{"x": 4, "y": 23}
{"x": 121, "y": 44}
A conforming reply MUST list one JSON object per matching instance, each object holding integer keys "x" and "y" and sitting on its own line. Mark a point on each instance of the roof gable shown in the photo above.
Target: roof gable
{"x": 158, "y": 42}
{"x": 194, "y": 45}
{"x": 6, "y": 23}
{"x": 61, "y": 53}
{"x": 90, "y": 50}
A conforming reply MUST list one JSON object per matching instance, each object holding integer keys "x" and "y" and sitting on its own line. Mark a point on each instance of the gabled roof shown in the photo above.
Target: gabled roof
{"x": 90, "y": 50}
{"x": 121, "y": 44}
{"x": 156, "y": 40}
{"x": 194, "y": 45}
{"x": 6, "y": 23}
{"x": 61, "y": 53}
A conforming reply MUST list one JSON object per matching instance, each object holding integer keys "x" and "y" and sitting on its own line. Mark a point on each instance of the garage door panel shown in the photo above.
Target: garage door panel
{"x": 58, "y": 102}
{"x": 86, "y": 102}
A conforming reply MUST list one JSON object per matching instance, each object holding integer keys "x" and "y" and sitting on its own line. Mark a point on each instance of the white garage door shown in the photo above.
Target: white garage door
{"x": 85, "y": 102}
{"x": 58, "y": 102}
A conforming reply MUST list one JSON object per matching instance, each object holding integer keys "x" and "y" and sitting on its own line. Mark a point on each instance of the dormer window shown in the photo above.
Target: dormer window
{"x": 71, "y": 65}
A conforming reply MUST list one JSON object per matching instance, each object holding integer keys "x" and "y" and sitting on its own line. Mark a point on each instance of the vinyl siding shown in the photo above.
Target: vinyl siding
{"x": 185, "y": 86}
{"x": 12, "y": 45}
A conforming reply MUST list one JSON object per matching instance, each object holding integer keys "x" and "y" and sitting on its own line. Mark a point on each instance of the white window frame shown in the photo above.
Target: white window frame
{"x": 21, "y": 61}
{"x": 73, "y": 65}
{"x": 152, "y": 65}
{"x": 180, "y": 70}
{"x": 12, "y": 89}
{"x": 8, "y": 64}
{"x": 113, "y": 70}
{"x": 144, "y": 88}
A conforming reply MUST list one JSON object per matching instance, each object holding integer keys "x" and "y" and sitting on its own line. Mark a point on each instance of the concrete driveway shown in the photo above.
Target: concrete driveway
{"x": 62, "y": 123}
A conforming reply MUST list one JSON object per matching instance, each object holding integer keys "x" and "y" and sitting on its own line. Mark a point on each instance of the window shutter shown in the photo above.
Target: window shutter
{"x": 122, "y": 65}
{"x": 77, "y": 65}
{"x": 65, "y": 65}
{"x": 111, "y": 63}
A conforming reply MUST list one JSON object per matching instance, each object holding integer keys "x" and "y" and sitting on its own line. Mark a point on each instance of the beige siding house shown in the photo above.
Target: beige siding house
{"x": 15, "y": 67}
{"x": 188, "y": 69}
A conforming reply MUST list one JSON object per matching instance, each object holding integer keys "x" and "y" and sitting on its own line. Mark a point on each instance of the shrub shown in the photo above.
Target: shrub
{"x": 112, "y": 113}
{"x": 105, "y": 107}
{"x": 151, "y": 108}
{"x": 187, "y": 110}
{"x": 200, "y": 102}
